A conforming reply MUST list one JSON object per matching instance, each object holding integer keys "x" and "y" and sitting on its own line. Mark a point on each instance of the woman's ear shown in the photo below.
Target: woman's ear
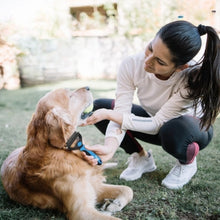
{"x": 181, "y": 67}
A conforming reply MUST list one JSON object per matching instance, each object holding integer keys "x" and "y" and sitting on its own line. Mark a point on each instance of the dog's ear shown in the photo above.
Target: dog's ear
{"x": 59, "y": 125}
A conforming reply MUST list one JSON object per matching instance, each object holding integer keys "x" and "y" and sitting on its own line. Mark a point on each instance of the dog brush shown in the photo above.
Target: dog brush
{"x": 80, "y": 146}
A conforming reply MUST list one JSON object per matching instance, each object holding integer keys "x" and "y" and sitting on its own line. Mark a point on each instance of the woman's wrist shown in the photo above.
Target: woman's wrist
{"x": 108, "y": 114}
{"x": 111, "y": 142}
{"x": 115, "y": 116}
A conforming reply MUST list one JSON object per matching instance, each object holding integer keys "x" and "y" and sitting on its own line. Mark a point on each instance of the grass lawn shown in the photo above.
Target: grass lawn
{"x": 200, "y": 199}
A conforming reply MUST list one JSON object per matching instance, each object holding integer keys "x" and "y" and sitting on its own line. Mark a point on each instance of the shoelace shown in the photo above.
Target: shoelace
{"x": 178, "y": 169}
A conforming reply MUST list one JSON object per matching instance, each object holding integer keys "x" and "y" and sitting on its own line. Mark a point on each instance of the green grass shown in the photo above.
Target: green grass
{"x": 200, "y": 199}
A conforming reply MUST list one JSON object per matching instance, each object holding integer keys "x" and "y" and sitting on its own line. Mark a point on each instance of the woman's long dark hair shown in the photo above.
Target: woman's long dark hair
{"x": 184, "y": 42}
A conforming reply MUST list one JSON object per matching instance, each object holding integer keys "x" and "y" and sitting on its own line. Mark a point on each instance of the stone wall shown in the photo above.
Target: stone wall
{"x": 9, "y": 75}
{"x": 81, "y": 57}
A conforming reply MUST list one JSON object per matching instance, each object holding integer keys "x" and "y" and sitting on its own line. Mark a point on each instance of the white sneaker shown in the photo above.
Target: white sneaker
{"x": 137, "y": 165}
{"x": 180, "y": 175}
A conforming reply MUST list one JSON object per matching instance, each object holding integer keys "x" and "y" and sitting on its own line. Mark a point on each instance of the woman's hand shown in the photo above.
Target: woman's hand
{"x": 103, "y": 114}
{"x": 98, "y": 115}
{"x": 105, "y": 152}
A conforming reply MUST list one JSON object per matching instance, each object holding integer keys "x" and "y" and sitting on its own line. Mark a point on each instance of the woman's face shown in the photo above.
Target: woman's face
{"x": 158, "y": 59}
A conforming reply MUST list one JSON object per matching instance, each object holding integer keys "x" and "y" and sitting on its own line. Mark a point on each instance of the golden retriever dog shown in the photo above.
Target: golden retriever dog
{"x": 45, "y": 174}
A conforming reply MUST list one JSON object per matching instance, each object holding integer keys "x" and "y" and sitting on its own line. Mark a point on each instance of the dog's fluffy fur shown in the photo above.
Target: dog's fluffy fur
{"x": 45, "y": 175}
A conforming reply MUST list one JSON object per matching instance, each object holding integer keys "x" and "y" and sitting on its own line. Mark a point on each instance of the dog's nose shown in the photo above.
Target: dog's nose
{"x": 87, "y": 88}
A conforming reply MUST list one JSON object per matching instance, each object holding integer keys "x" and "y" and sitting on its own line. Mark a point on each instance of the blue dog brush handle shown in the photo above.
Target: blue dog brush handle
{"x": 91, "y": 153}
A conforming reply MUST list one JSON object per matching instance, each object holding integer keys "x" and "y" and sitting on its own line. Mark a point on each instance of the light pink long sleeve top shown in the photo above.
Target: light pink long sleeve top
{"x": 161, "y": 99}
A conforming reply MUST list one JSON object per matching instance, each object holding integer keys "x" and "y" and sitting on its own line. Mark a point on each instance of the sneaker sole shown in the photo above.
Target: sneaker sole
{"x": 138, "y": 177}
{"x": 151, "y": 170}
{"x": 170, "y": 186}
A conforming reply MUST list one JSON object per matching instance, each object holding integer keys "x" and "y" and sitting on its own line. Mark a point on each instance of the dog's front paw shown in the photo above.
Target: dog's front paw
{"x": 115, "y": 206}
{"x": 112, "y": 205}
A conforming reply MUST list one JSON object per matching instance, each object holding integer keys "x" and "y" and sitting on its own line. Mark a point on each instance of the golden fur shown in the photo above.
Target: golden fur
{"x": 45, "y": 175}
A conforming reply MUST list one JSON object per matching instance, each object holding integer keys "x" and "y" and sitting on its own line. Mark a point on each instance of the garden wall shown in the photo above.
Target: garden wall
{"x": 81, "y": 57}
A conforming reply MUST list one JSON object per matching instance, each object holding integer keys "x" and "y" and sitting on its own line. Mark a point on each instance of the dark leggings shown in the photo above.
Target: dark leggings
{"x": 181, "y": 137}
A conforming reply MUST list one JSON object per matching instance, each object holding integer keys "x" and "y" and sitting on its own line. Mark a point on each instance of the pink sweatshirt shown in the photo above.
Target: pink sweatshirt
{"x": 160, "y": 98}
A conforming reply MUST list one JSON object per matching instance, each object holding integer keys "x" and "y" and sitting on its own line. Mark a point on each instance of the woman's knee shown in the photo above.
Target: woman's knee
{"x": 183, "y": 129}
{"x": 183, "y": 138}
{"x": 175, "y": 137}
